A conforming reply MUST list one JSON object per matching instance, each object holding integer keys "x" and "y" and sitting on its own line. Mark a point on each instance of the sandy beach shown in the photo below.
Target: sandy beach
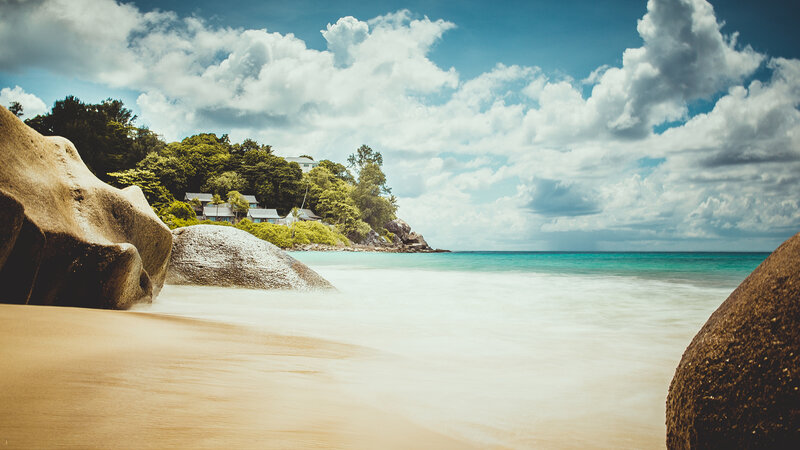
{"x": 77, "y": 378}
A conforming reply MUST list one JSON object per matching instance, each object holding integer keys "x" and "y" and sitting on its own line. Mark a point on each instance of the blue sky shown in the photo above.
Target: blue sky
{"x": 535, "y": 125}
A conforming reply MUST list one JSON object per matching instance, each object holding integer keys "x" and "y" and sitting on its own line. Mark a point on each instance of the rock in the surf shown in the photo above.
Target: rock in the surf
{"x": 67, "y": 238}
{"x": 738, "y": 383}
{"x": 214, "y": 255}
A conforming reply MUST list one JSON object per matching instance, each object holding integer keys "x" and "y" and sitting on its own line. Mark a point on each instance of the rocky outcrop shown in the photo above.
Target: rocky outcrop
{"x": 67, "y": 238}
{"x": 213, "y": 255}
{"x": 373, "y": 239}
{"x": 405, "y": 239}
{"x": 738, "y": 383}
{"x": 399, "y": 228}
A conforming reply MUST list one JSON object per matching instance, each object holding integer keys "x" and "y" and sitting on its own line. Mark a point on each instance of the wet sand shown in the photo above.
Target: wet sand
{"x": 80, "y": 378}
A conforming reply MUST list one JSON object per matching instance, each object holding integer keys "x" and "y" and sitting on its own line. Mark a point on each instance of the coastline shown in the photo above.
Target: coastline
{"x": 101, "y": 379}
{"x": 362, "y": 248}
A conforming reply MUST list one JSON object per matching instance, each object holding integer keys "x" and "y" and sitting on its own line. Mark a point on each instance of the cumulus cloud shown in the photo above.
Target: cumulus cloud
{"x": 343, "y": 36}
{"x": 31, "y": 104}
{"x": 512, "y": 146}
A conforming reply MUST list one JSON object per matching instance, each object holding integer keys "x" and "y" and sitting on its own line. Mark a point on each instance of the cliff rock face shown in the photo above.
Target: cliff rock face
{"x": 67, "y": 238}
{"x": 213, "y": 255}
{"x": 738, "y": 383}
{"x": 405, "y": 238}
{"x": 373, "y": 239}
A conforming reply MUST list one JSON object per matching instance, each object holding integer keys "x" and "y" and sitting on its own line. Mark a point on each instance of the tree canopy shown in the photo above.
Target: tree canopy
{"x": 103, "y": 133}
{"x": 125, "y": 155}
{"x": 16, "y": 108}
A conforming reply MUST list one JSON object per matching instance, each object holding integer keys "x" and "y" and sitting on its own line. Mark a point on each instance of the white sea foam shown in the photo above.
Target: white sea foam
{"x": 511, "y": 359}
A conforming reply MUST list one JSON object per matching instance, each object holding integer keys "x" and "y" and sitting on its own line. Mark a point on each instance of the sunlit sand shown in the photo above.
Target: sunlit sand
{"x": 101, "y": 379}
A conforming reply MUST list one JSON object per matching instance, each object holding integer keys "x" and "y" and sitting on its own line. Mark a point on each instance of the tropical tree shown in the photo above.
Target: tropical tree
{"x": 103, "y": 133}
{"x": 363, "y": 156}
{"x": 238, "y": 204}
{"x": 338, "y": 170}
{"x": 173, "y": 171}
{"x": 216, "y": 200}
{"x": 225, "y": 182}
{"x": 180, "y": 210}
{"x": 375, "y": 209}
{"x": 205, "y": 153}
{"x": 155, "y": 193}
{"x": 16, "y": 109}
{"x": 295, "y": 213}
{"x": 272, "y": 179}
{"x": 196, "y": 205}
{"x": 249, "y": 144}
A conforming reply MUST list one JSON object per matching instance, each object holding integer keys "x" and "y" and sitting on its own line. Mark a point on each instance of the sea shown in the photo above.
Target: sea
{"x": 499, "y": 349}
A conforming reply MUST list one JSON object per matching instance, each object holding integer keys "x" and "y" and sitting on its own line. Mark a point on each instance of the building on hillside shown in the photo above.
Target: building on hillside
{"x": 206, "y": 198}
{"x": 307, "y": 214}
{"x": 258, "y": 215}
{"x": 304, "y": 215}
{"x": 306, "y": 164}
{"x": 251, "y": 200}
{"x": 203, "y": 197}
{"x": 218, "y": 213}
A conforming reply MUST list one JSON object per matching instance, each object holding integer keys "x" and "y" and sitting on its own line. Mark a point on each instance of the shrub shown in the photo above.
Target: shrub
{"x": 180, "y": 210}
{"x": 316, "y": 233}
{"x": 279, "y": 235}
{"x": 176, "y": 222}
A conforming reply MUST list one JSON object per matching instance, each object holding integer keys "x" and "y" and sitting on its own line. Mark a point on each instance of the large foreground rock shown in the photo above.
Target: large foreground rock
{"x": 213, "y": 255}
{"x": 67, "y": 238}
{"x": 738, "y": 383}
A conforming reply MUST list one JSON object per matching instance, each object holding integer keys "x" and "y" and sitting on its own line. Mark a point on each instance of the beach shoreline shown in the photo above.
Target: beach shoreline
{"x": 359, "y": 248}
{"x": 110, "y": 379}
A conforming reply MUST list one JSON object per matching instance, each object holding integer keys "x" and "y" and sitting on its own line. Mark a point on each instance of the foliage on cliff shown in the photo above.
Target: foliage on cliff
{"x": 124, "y": 155}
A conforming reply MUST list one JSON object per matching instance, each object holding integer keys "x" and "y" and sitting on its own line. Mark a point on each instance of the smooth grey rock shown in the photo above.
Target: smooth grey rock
{"x": 214, "y": 255}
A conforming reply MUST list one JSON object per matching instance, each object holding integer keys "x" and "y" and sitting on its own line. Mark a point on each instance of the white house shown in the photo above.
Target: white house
{"x": 306, "y": 164}
{"x": 258, "y": 215}
{"x": 304, "y": 215}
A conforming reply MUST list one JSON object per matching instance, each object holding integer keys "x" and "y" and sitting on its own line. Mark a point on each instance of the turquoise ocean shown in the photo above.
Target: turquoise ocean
{"x": 501, "y": 349}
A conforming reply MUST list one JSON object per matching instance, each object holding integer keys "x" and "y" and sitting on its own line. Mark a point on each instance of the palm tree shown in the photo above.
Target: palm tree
{"x": 296, "y": 216}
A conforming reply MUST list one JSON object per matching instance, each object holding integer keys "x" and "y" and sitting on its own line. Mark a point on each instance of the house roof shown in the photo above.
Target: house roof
{"x": 213, "y": 211}
{"x": 202, "y": 196}
{"x": 300, "y": 160}
{"x": 206, "y": 197}
{"x": 307, "y": 213}
{"x": 259, "y": 213}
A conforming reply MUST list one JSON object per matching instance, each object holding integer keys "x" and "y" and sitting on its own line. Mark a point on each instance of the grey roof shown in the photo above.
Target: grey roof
{"x": 308, "y": 214}
{"x": 223, "y": 211}
{"x": 205, "y": 197}
{"x": 300, "y": 160}
{"x": 259, "y": 213}
{"x": 202, "y": 196}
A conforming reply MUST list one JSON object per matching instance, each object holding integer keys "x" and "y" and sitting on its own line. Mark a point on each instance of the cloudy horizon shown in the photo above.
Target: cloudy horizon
{"x": 689, "y": 140}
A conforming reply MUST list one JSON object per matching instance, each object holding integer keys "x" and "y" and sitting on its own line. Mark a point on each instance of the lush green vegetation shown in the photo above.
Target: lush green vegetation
{"x": 354, "y": 198}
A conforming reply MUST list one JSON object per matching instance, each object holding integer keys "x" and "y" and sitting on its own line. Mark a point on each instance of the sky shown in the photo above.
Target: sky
{"x": 521, "y": 125}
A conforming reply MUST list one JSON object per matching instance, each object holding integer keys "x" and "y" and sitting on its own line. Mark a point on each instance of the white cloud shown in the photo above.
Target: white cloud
{"x": 31, "y": 104}
{"x": 581, "y": 167}
{"x": 343, "y": 36}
